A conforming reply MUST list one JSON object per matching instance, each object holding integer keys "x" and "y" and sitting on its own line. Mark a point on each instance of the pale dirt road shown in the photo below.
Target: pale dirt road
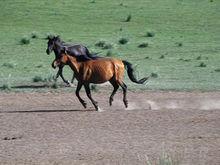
{"x": 53, "y": 128}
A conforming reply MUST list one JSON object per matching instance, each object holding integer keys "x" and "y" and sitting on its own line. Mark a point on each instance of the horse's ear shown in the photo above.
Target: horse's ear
{"x": 58, "y": 38}
{"x": 49, "y": 37}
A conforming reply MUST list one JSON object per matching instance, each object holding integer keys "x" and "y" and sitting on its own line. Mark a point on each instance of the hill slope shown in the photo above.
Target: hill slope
{"x": 184, "y": 51}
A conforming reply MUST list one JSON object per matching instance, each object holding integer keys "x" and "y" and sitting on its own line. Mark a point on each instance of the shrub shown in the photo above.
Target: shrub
{"x": 162, "y": 57}
{"x": 108, "y": 46}
{"x": 154, "y": 75}
{"x": 202, "y": 64}
{"x": 150, "y": 34}
{"x": 199, "y": 57}
{"x": 143, "y": 45}
{"x": 24, "y": 40}
{"x": 185, "y": 60}
{"x": 100, "y": 43}
{"x": 166, "y": 159}
{"x": 123, "y": 41}
{"x": 38, "y": 79}
{"x": 217, "y": 70}
{"x": 109, "y": 53}
{"x": 49, "y": 78}
{"x": 39, "y": 66}
{"x": 128, "y": 19}
{"x": 179, "y": 44}
{"x": 6, "y": 87}
{"x": 34, "y": 34}
{"x": 8, "y": 65}
{"x": 54, "y": 85}
{"x": 104, "y": 45}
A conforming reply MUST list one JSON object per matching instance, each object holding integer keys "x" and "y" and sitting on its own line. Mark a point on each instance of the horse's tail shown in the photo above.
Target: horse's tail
{"x": 130, "y": 71}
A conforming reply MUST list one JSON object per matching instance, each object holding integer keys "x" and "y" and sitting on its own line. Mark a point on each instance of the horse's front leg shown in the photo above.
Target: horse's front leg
{"x": 73, "y": 78}
{"x": 79, "y": 86}
{"x": 60, "y": 73}
{"x": 88, "y": 92}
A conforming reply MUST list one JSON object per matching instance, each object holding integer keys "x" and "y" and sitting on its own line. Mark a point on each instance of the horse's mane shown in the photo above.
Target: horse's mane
{"x": 81, "y": 59}
{"x": 64, "y": 48}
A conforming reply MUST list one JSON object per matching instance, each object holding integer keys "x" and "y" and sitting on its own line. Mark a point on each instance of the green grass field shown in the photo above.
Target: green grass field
{"x": 180, "y": 39}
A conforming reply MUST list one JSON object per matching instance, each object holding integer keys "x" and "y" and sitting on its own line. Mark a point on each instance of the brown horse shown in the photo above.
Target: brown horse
{"x": 97, "y": 72}
{"x": 79, "y": 51}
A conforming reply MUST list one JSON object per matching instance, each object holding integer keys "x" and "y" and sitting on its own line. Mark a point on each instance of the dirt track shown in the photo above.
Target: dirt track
{"x": 53, "y": 128}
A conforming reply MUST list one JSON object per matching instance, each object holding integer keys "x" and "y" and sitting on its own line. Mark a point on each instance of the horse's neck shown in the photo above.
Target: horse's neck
{"x": 74, "y": 65}
{"x": 58, "y": 49}
{"x": 57, "y": 52}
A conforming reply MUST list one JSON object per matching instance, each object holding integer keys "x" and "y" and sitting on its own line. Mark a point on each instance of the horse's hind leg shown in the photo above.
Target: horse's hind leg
{"x": 116, "y": 86}
{"x": 58, "y": 73}
{"x": 124, "y": 88}
{"x": 88, "y": 92}
{"x": 79, "y": 86}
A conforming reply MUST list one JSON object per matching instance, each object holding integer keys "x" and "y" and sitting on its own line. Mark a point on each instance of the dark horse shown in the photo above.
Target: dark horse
{"x": 79, "y": 51}
{"x": 97, "y": 72}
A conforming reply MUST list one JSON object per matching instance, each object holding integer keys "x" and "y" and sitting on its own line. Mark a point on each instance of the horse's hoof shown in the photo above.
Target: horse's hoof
{"x": 67, "y": 83}
{"x": 110, "y": 101}
{"x": 84, "y": 104}
{"x": 70, "y": 85}
{"x": 126, "y": 104}
{"x": 99, "y": 109}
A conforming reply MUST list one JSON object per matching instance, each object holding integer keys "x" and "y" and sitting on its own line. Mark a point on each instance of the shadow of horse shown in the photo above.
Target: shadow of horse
{"x": 48, "y": 111}
{"x": 32, "y": 86}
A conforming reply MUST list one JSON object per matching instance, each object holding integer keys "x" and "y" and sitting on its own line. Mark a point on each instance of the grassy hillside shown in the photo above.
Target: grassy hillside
{"x": 180, "y": 38}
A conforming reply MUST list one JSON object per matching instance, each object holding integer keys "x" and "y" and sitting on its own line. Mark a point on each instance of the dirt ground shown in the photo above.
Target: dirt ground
{"x": 53, "y": 128}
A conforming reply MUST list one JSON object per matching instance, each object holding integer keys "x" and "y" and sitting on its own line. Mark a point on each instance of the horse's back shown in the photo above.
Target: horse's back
{"x": 102, "y": 70}
{"x": 106, "y": 63}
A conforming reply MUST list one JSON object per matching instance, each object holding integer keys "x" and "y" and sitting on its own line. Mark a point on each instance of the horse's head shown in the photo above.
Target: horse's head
{"x": 62, "y": 60}
{"x": 51, "y": 44}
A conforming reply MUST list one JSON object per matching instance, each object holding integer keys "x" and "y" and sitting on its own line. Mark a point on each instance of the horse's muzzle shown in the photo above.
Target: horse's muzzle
{"x": 48, "y": 51}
